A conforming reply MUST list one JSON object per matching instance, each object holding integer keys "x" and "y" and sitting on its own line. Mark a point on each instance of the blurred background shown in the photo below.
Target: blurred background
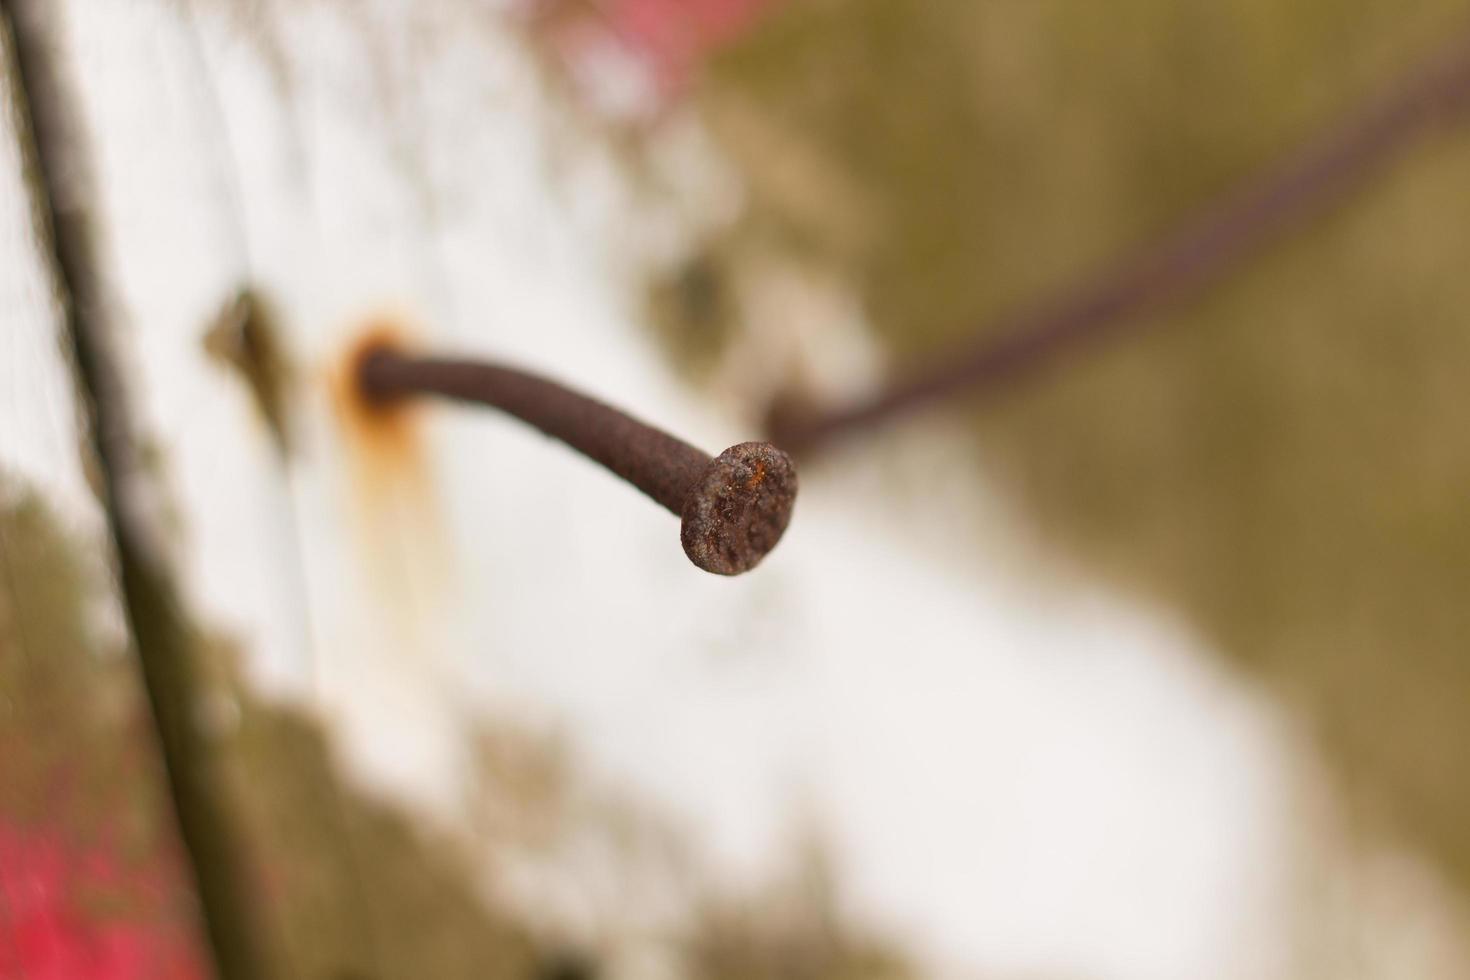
{"x": 1154, "y": 664}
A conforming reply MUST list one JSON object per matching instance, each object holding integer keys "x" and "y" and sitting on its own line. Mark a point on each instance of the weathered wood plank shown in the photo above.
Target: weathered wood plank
{"x": 92, "y": 878}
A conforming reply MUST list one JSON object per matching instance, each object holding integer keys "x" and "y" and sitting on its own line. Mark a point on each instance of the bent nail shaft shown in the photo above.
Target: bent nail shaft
{"x": 733, "y": 507}
{"x": 662, "y": 466}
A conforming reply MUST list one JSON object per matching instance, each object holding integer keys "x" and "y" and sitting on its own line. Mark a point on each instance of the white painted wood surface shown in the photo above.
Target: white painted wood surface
{"x": 42, "y": 443}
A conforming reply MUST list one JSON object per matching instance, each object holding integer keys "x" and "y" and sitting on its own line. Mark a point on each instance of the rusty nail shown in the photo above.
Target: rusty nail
{"x": 733, "y": 507}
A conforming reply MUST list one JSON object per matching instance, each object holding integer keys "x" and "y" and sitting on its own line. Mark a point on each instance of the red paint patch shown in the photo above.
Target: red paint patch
{"x": 68, "y": 912}
{"x": 669, "y": 39}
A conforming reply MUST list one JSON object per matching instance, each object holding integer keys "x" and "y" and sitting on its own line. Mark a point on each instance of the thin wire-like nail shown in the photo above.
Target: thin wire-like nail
{"x": 733, "y": 507}
{"x": 1302, "y": 187}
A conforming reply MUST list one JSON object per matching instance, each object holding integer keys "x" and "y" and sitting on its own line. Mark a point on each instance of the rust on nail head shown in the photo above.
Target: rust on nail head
{"x": 739, "y": 508}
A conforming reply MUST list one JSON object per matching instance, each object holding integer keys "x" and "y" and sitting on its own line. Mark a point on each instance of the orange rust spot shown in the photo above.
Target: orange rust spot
{"x": 396, "y": 519}
{"x": 388, "y": 433}
{"x": 758, "y": 477}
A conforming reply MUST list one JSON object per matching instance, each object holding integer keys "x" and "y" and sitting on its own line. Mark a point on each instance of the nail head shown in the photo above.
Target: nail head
{"x": 738, "y": 509}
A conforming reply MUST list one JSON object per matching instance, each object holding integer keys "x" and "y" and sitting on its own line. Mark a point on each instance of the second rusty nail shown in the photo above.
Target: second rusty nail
{"x": 733, "y": 507}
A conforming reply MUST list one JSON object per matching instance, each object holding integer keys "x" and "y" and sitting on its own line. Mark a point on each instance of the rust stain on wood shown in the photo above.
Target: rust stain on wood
{"x": 396, "y": 521}
{"x": 385, "y": 434}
